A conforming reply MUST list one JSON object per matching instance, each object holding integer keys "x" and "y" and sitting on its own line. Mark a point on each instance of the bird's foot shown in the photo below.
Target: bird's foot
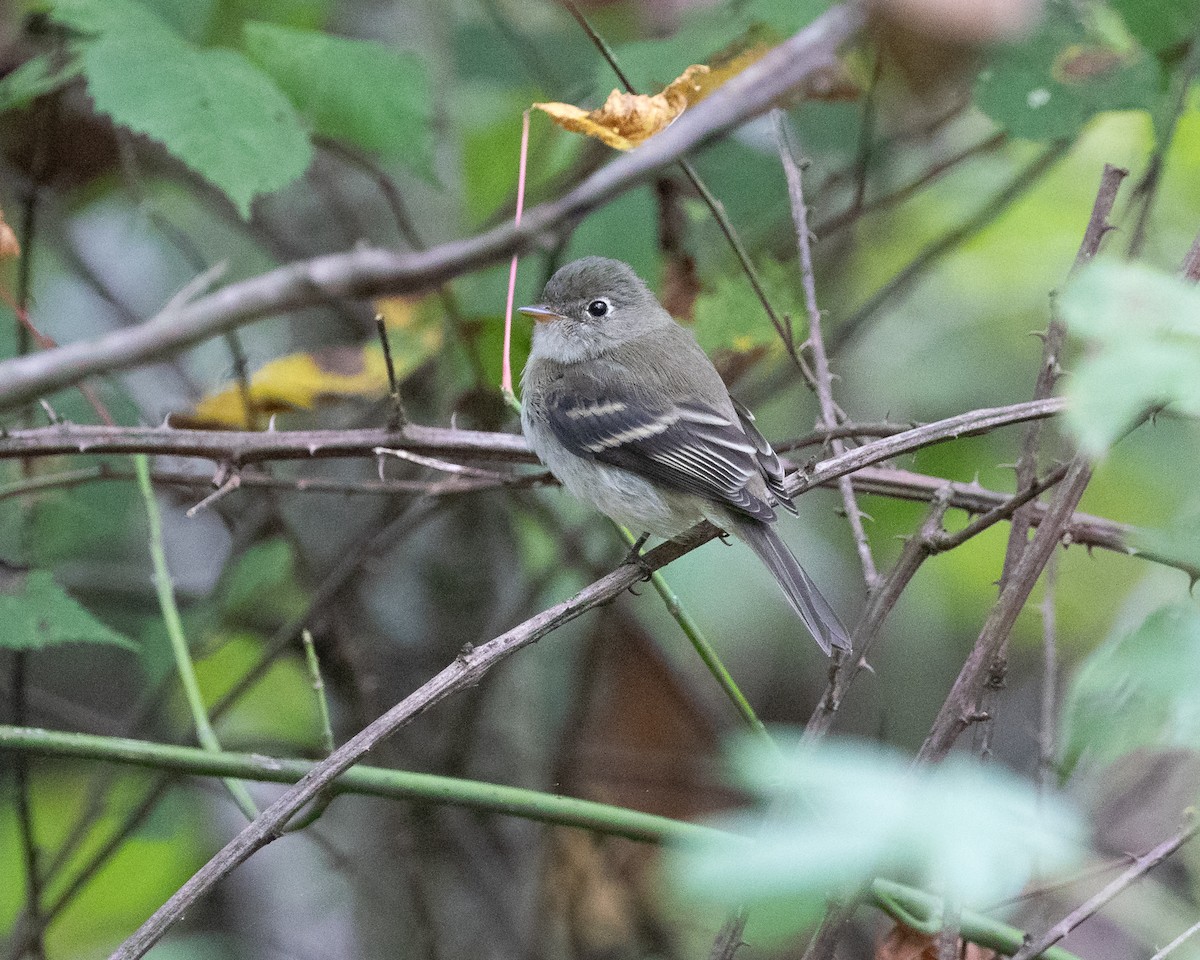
{"x": 634, "y": 557}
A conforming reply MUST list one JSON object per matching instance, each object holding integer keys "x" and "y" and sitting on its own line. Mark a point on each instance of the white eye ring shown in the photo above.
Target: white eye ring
{"x": 600, "y": 307}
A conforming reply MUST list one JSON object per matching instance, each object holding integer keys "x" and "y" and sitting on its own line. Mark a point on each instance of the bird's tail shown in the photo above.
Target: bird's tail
{"x": 802, "y": 594}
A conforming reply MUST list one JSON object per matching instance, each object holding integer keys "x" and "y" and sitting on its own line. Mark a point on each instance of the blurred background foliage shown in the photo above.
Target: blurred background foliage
{"x": 344, "y": 122}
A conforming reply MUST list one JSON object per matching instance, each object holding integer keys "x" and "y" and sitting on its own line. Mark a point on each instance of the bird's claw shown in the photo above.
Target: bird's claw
{"x": 634, "y": 558}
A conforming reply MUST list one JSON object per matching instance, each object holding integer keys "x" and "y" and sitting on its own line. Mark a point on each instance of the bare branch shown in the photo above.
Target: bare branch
{"x": 961, "y": 705}
{"x": 816, "y": 344}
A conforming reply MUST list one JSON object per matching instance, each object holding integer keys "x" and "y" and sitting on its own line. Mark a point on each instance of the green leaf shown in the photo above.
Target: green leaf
{"x": 831, "y": 817}
{"x": 211, "y": 108}
{"x": 352, "y": 90}
{"x": 1159, "y": 25}
{"x": 1137, "y": 691}
{"x": 36, "y": 612}
{"x": 730, "y": 317}
{"x": 1145, "y": 328}
{"x": 103, "y": 16}
{"x": 1051, "y": 84}
{"x": 262, "y": 585}
{"x": 34, "y": 78}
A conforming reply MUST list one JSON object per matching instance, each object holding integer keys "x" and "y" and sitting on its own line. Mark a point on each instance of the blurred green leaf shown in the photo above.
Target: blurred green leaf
{"x": 1160, "y": 24}
{"x": 102, "y": 16}
{"x": 1136, "y": 691}
{"x": 831, "y": 817}
{"x": 36, "y": 613}
{"x": 730, "y": 317}
{"x": 211, "y": 108}
{"x": 1049, "y": 85}
{"x": 352, "y": 90}
{"x": 1145, "y": 329}
{"x": 282, "y": 706}
{"x": 261, "y": 587}
{"x": 34, "y": 78}
{"x": 192, "y": 19}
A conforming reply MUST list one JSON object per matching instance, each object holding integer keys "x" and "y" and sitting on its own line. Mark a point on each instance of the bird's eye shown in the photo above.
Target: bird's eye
{"x": 598, "y": 308}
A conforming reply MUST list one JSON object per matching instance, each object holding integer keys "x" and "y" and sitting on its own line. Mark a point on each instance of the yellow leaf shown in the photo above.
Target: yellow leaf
{"x": 627, "y": 119}
{"x": 726, "y": 67}
{"x": 397, "y": 312}
{"x": 298, "y": 381}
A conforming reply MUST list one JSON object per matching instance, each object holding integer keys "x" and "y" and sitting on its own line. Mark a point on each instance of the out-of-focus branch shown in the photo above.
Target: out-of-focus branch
{"x": 371, "y": 272}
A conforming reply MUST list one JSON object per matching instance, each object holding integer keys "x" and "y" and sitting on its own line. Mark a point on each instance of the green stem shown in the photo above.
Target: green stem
{"x": 318, "y": 685}
{"x": 923, "y": 912}
{"x": 362, "y": 779}
{"x": 700, "y": 643}
{"x": 174, "y": 624}
{"x": 908, "y": 905}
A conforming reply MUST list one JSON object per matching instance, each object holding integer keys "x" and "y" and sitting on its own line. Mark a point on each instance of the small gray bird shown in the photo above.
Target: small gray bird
{"x": 623, "y": 406}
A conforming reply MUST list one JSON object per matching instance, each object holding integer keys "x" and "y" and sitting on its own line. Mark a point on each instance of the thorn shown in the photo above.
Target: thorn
{"x": 229, "y": 486}
{"x": 51, "y": 415}
{"x": 863, "y": 665}
{"x": 271, "y": 424}
{"x": 379, "y": 458}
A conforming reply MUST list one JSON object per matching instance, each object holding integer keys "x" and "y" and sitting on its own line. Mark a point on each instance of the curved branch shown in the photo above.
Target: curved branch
{"x": 373, "y": 272}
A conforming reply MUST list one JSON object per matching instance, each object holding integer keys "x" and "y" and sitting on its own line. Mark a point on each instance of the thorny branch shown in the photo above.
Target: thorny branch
{"x": 816, "y": 345}
{"x": 1024, "y": 561}
{"x": 1049, "y": 371}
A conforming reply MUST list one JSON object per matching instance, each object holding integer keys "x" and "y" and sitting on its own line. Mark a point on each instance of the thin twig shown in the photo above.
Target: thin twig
{"x": 1190, "y": 268}
{"x": 879, "y": 606}
{"x": 1049, "y": 370}
{"x": 318, "y": 685}
{"x": 852, "y": 214}
{"x": 362, "y": 780}
{"x": 1017, "y": 187}
{"x": 1147, "y": 187}
{"x": 1177, "y": 942}
{"x": 1048, "y": 715}
{"x": 397, "y": 417}
{"x": 1143, "y": 865}
{"x": 816, "y": 344}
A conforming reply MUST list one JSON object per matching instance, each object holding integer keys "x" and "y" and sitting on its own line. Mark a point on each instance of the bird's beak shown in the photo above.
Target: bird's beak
{"x": 540, "y": 314}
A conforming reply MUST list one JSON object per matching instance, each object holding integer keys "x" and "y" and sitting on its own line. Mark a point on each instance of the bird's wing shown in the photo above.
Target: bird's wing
{"x": 684, "y": 445}
{"x": 768, "y": 460}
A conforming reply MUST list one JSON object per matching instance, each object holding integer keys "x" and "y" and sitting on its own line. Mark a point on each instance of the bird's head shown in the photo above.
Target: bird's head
{"x": 592, "y": 305}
